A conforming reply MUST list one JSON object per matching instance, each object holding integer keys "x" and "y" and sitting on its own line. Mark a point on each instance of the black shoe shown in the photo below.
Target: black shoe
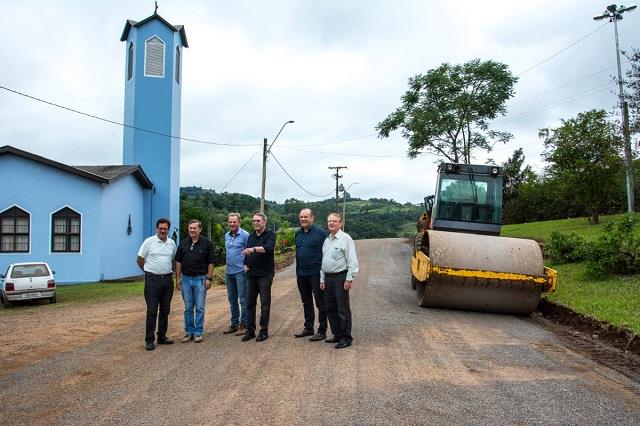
{"x": 304, "y": 333}
{"x": 262, "y": 337}
{"x": 343, "y": 344}
{"x": 334, "y": 339}
{"x": 164, "y": 341}
{"x": 149, "y": 346}
{"x": 248, "y": 336}
{"x": 317, "y": 337}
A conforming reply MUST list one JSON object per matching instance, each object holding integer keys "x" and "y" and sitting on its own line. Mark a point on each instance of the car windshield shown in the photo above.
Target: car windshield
{"x": 28, "y": 271}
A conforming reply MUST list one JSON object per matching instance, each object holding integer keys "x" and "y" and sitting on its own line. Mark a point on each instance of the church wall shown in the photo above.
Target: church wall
{"x": 42, "y": 190}
{"x": 121, "y": 199}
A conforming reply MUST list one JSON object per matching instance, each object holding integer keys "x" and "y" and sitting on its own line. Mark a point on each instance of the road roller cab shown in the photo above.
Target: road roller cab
{"x": 460, "y": 262}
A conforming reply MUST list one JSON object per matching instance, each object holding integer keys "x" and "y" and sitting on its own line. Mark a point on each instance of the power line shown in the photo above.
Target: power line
{"x": 562, "y": 50}
{"x": 295, "y": 181}
{"x": 238, "y": 172}
{"x": 562, "y": 86}
{"x": 554, "y": 104}
{"x": 106, "y": 120}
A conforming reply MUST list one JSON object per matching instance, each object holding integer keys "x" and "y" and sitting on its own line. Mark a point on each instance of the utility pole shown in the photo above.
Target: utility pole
{"x": 613, "y": 13}
{"x": 265, "y": 152}
{"x": 337, "y": 176}
{"x": 264, "y": 174}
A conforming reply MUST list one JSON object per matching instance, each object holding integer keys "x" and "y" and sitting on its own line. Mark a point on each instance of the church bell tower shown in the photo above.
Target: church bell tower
{"x": 152, "y": 103}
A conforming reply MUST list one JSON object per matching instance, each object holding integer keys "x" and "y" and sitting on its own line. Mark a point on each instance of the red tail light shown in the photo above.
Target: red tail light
{"x": 9, "y": 287}
{"x": 51, "y": 284}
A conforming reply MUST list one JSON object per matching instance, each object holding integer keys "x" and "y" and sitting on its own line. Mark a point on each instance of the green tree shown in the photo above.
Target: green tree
{"x": 514, "y": 174}
{"x": 584, "y": 156}
{"x": 447, "y": 110}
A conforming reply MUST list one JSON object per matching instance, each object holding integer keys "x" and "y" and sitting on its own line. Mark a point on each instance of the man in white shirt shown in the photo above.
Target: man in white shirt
{"x": 155, "y": 258}
{"x": 339, "y": 269}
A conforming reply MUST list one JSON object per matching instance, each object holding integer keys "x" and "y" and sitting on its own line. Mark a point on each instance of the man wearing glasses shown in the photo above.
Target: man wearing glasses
{"x": 155, "y": 258}
{"x": 259, "y": 266}
{"x": 339, "y": 269}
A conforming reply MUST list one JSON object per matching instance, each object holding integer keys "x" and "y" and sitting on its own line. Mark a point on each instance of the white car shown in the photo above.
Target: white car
{"x": 27, "y": 281}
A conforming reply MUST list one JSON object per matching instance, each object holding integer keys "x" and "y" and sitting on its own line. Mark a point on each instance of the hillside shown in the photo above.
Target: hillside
{"x": 373, "y": 218}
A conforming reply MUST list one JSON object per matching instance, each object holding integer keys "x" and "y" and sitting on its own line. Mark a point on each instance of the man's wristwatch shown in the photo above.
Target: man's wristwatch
{"x": 208, "y": 278}
{"x": 254, "y": 249}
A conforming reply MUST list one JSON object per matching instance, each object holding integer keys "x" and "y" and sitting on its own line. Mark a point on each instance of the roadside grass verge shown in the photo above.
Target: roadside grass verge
{"x": 615, "y": 299}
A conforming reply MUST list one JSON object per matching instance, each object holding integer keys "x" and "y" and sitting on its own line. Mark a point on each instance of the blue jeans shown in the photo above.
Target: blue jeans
{"x": 194, "y": 295}
{"x": 237, "y": 289}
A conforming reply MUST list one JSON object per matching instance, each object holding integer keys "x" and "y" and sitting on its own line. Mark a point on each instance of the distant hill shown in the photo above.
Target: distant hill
{"x": 373, "y": 218}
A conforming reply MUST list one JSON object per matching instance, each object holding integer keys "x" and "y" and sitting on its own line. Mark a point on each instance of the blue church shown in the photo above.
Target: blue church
{"x": 88, "y": 222}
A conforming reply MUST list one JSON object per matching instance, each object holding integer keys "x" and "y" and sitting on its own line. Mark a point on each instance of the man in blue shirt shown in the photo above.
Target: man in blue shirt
{"x": 309, "y": 240}
{"x": 235, "y": 242}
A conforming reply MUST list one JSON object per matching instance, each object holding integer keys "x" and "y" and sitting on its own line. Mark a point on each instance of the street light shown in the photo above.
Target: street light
{"x": 265, "y": 152}
{"x": 344, "y": 204}
{"x": 614, "y": 14}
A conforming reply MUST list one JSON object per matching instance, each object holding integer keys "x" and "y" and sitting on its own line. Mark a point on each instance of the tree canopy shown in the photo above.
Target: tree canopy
{"x": 447, "y": 110}
{"x": 583, "y": 155}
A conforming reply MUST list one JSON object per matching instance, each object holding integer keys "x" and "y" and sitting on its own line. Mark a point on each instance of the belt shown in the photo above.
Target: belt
{"x": 331, "y": 274}
{"x": 159, "y": 275}
{"x": 194, "y": 276}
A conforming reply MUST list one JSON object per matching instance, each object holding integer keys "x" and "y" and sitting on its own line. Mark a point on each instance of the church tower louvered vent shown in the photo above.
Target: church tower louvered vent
{"x": 154, "y": 57}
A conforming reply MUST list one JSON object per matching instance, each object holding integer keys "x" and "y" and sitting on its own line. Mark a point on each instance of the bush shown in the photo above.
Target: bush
{"x": 617, "y": 250}
{"x": 285, "y": 240}
{"x": 566, "y": 247}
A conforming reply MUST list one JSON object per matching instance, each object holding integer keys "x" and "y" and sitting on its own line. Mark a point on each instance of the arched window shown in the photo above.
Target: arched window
{"x": 177, "y": 64}
{"x": 130, "y": 58}
{"x": 14, "y": 231}
{"x": 65, "y": 232}
{"x": 154, "y": 57}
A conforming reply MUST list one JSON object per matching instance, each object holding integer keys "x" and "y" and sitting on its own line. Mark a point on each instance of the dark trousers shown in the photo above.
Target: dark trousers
{"x": 338, "y": 306}
{"x": 309, "y": 288}
{"x": 158, "y": 291}
{"x": 261, "y": 286}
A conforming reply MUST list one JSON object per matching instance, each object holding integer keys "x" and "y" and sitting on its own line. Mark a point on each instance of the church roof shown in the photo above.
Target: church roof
{"x": 112, "y": 173}
{"x": 100, "y": 174}
{"x": 178, "y": 28}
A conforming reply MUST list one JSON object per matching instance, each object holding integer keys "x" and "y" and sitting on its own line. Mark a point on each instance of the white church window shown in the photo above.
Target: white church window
{"x": 65, "y": 235}
{"x": 154, "y": 57}
{"x": 14, "y": 231}
{"x": 130, "y": 58}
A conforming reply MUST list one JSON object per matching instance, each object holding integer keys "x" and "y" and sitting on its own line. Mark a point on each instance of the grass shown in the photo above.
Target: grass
{"x": 615, "y": 299}
{"x": 541, "y": 231}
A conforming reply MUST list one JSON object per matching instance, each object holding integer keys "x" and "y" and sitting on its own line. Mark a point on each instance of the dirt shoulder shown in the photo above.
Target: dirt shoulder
{"x": 40, "y": 333}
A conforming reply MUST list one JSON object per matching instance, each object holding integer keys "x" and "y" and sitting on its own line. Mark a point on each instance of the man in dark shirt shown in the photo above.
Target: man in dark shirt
{"x": 309, "y": 240}
{"x": 194, "y": 271}
{"x": 260, "y": 266}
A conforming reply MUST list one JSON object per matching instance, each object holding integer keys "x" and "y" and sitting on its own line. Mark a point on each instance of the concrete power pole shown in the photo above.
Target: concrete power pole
{"x": 337, "y": 176}
{"x": 264, "y": 174}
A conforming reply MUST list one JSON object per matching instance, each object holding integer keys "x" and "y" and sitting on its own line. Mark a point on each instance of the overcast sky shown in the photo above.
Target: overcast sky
{"x": 336, "y": 67}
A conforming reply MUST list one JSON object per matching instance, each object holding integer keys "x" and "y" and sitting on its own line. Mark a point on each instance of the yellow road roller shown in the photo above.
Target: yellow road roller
{"x": 459, "y": 260}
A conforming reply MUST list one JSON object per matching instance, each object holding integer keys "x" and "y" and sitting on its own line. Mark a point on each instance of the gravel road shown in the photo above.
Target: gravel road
{"x": 408, "y": 365}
